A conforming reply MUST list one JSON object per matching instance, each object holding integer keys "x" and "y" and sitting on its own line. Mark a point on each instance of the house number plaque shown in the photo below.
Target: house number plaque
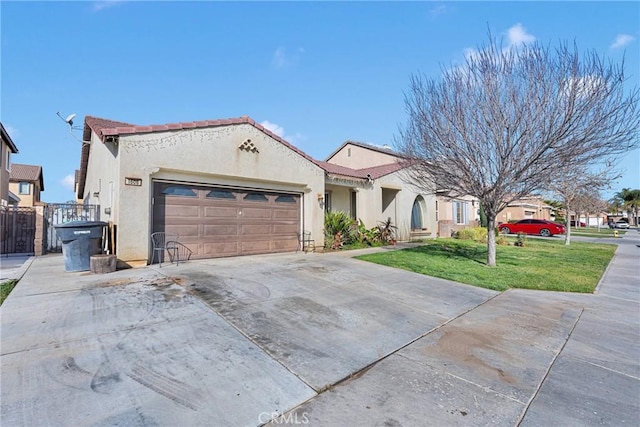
{"x": 133, "y": 181}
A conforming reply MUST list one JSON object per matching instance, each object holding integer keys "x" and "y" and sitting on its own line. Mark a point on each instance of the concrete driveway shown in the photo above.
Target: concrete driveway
{"x": 322, "y": 339}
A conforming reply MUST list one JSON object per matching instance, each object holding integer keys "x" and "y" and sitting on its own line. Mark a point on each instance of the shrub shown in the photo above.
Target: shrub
{"x": 386, "y": 231}
{"x": 365, "y": 236}
{"x": 500, "y": 240}
{"x": 478, "y": 234}
{"x": 520, "y": 240}
{"x": 337, "y": 229}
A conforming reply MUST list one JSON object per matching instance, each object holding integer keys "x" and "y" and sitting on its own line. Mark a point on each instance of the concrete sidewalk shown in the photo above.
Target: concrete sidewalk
{"x": 523, "y": 358}
{"x": 321, "y": 338}
{"x": 13, "y": 267}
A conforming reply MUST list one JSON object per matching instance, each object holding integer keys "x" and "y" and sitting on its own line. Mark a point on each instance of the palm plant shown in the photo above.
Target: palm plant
{"x": 387, "y": 230}
{"x": 629, "y": 200}
{"x": 337, "y": 228}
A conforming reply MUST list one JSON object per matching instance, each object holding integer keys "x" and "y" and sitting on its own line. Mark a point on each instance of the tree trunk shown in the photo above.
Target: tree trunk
{"x": 491, "y": 239}
{"x": 567, "y": 236}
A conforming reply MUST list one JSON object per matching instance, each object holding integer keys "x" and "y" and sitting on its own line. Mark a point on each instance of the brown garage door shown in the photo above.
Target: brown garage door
{"x": 216, "y": 221}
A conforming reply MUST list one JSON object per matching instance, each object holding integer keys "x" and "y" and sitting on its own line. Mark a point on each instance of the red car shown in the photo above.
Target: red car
{"x": 533, "y": 226}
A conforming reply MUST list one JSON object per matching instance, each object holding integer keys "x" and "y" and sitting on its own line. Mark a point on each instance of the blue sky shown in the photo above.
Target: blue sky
{"x": 317, "y": 73}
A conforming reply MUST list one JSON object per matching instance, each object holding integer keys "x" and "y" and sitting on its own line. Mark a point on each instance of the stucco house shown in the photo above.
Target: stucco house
{"x": 8, "y": 148}
{"x": 231, "y": 187}
{"x": 366, "y": 181}
{"x": 27, "y": 182}
{"x": 532, "y": 207}
{"x": 456, "y": 213}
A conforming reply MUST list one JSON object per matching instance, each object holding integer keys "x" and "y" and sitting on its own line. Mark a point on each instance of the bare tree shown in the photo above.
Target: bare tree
{"x": 500, "y": 126}
{"x": 577, "y": 188}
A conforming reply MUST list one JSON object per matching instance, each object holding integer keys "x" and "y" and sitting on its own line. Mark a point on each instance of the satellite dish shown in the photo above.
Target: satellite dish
{"x": 69, "y": 119}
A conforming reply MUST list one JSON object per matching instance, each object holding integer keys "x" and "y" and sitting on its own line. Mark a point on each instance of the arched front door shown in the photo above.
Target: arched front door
{"x": 416, "y": 214}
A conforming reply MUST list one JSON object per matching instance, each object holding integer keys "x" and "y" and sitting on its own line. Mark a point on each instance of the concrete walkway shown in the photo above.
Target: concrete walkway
{"x": 320, "y": 339}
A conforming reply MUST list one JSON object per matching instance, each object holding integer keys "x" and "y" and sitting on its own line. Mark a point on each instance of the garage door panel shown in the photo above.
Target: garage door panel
{"x": 181, "y": 211}
{"x": 219, "y": 249}
{"x": 285, "y": 229}
{"x": 255, "y": 246}
{"x": 227, "y": 222}
{"x": 291, "y": 214}
{"x": 220, "y": 212}
{"x": 283, "y": 245}
{"x": 184, "y": 231}
{"x": 256, "y": 230}
{"x": 221, "y": 230}
{"x": 255, "y": 213}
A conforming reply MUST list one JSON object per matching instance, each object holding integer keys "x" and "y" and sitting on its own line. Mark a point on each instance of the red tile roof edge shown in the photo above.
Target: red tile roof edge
{"x": 105, "y": 127}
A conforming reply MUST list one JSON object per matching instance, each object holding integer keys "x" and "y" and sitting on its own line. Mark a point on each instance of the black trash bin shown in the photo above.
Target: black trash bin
{"x": 80, "y": 240}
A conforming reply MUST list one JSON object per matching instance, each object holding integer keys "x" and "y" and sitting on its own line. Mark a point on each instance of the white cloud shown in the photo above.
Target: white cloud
{"x": 101, "y": 5}
{"x": 282, "y": 58}
{"x": 434, "y": 12}
{"x": 621, "y": 41}
{"x": 279, "y": 130}
{"x": 518, "y": 35}
{"x": 68, "y": 182}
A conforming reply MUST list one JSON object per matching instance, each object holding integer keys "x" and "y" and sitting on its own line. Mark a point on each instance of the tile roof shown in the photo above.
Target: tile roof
{"x": 29, "y": 173}
{"x": 380, "y": 149}
{"x": 374, "y": 172}
{"x": 7, "y": 138}
{"x": 105, "y": 127}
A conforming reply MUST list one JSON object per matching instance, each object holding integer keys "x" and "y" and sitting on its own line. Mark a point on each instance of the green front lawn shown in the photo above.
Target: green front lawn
{"x": 593, "y": 232}
{"x": 6, "y": 288}
{"x": 545, "y": 264}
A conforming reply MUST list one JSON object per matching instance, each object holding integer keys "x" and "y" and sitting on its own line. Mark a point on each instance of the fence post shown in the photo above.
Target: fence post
{"x": 39, "y": 238}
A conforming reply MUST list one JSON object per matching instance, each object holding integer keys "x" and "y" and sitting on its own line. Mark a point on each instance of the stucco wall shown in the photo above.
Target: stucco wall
{"x": 103, "y": 176}
{"x": 370, "y": 208}
{"x": 4, "y": 174}
{"x": 209, "y": 156}
{"x": 26, "y": 200}
{"x": 357, "y": 157}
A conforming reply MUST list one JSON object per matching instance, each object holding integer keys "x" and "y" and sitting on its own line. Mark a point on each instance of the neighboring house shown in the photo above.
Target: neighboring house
{"x": 231, "y": 187}
{"x": 366, "y": 182}
{"x": 590, "y": 219}
{"x": 8, "y": 148}
{"x": 532, "y": 207}
{"x": 27, "y": 182}
{"x": 456, "y": 213}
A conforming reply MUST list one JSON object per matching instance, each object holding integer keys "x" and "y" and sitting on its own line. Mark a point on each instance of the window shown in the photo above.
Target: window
{"x": 221, "y": 194}
{"x": 416, "y": 215}
{"x": 24, "y": 188}
{"x": 7, "y": 163}
{"x": 285, "y": 199}
{"x": 460, "y": 212}
{"x": 179, "y": 191}
{"x": 256, "y": 197}
{"x": 327, "y": 202}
